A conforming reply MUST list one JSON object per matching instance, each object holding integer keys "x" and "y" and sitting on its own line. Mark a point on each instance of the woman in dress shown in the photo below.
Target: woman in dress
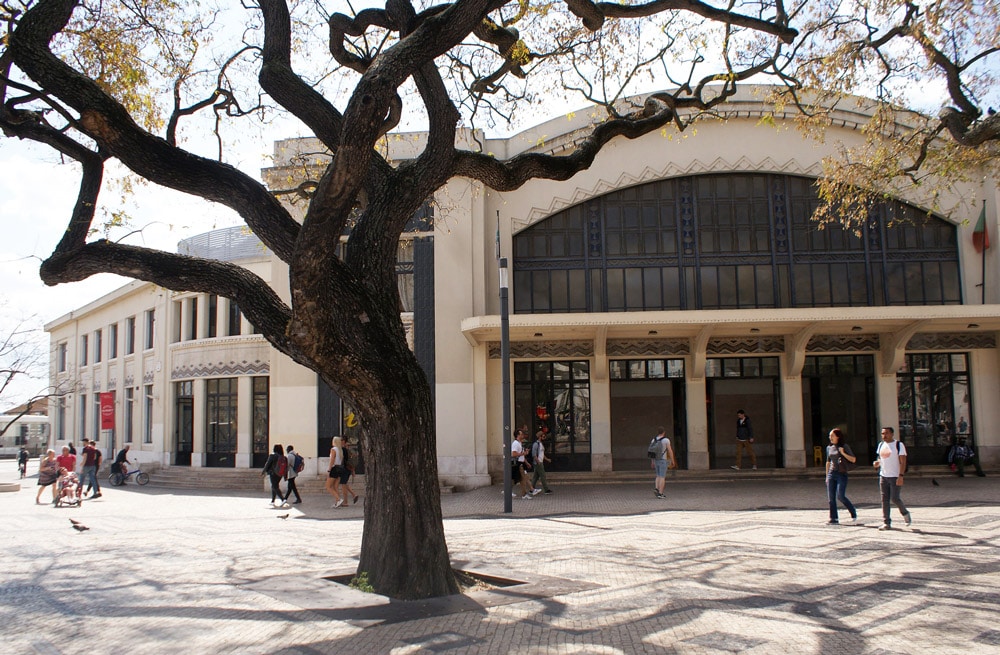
{"x": 48, "y": 475}
{"x": 336, "y": 471}
{"x": 838, "y": 455}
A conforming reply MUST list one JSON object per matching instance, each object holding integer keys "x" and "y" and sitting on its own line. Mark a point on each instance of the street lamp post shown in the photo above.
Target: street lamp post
{"x": 505, "y": 381}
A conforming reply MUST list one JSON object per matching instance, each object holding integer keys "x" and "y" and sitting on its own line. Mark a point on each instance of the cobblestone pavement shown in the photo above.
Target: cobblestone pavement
{"x": 720, "y": 567}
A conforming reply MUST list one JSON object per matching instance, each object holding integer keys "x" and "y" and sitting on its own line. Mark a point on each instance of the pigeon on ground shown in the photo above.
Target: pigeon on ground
{"x": 79, "y": 527}
{"x": 935, "y": 482}
{"x": 282, "y": 516}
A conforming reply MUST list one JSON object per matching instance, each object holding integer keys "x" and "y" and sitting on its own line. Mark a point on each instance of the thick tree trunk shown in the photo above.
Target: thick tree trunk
{"x": 403, "y": 548}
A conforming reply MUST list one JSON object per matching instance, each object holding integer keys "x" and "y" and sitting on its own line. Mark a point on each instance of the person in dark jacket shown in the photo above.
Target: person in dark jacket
{"x": 839, "y": 459}
{"x": 744, "y": 440}
{"x": 276, "y": 466}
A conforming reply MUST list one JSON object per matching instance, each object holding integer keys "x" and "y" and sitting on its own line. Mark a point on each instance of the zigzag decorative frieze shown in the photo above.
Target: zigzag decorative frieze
{"x": 843, "y": 343}
{"x": 745, "y": 346}
{"x": 957, "y": 341}
{"x": 719, "y": 165}
{"x": 221, "y": 369}
{"x": 648, "y": 347}
{"x": 544, "y": 349}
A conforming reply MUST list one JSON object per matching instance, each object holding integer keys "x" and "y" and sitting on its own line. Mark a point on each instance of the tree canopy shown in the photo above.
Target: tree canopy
{"x": 138, "y": 85}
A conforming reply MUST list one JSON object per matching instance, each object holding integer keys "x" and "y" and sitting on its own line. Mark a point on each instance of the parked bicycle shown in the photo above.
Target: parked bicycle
{"x": 117, "y": 478}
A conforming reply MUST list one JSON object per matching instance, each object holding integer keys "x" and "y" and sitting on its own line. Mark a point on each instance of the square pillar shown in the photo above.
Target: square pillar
{"x": 198, "y": 445}
{"x": 244, "y": 422}
{"x": 697, "y": 424}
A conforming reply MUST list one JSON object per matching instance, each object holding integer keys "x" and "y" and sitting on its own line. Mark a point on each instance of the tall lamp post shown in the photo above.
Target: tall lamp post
{"x": 505, "y": 377}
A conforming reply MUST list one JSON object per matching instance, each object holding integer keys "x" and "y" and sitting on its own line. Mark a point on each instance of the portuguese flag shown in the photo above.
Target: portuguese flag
{"x": 980, "y": 236}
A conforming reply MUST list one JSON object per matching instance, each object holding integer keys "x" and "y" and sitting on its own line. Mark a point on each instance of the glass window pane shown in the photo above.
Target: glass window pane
{"x": 637, "y": 369}
{"x": 560, "y": 371}
{"x": 581, "y": 371}
{"x": 751, "y": 367}
{"x": 731, "y": 367}
{"x": 770, "y": 367}
{"x": 713, "y": 368}
{"x": 675, "y": 368}
{"x": 959, "y": 362}
{"x": 656, "y": 368}
{"x": 617, "y": 368}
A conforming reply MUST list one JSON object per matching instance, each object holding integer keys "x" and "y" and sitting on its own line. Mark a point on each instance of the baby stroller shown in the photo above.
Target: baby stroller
{"x": 68, "y": 490}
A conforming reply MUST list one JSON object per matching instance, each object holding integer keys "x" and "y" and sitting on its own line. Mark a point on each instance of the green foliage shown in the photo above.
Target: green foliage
{"x": 360, "y": 582}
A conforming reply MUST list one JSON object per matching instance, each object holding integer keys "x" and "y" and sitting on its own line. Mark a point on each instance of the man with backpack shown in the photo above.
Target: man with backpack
{"x": 660, "y": 453}
{"x": 891, "y": 464}
{"x": 276, "y": 467}
{"x": 293, "y": 468}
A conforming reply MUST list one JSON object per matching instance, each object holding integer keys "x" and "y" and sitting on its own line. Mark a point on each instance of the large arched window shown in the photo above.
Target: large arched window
{"x": 729, "y": 241}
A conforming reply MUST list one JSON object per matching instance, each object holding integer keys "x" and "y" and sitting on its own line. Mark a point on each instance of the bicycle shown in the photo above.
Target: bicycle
{"x": 117, "y": 478}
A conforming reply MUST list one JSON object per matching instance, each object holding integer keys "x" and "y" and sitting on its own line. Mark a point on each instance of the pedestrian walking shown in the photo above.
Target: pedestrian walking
{"x": 48, "y": 475}
{"x": 291, "y": 456}
{"x": 22, "y": 461}
{"x": 336, "y": 471}
{"x": 538, "y": 459}
{"x": 519, "y": 472}
{"x": 744, "y": 440}
{"x": 839, "y": 460}
{"x": 275, "y": 468}
{"x": 91, "y": 464}
{"x": 891, "y": 464}
{"x": 663, "y": 455}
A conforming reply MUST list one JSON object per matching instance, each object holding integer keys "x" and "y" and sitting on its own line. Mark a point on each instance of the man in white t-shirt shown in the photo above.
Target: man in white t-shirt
{"x": 891, "y": 464}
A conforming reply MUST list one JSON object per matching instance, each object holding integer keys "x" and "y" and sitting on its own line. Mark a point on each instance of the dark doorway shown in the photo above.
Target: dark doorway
{"x": 184, "y": 422}
{"x": 646, "y": 394}
{"x": 838, "y": 391}
{"x": 759, "y": 397}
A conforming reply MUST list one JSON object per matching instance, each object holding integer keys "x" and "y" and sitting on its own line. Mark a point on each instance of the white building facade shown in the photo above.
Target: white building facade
{"x": 672, "y": 283}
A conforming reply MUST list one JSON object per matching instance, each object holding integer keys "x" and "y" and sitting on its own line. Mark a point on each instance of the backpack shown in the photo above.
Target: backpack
{"x": 655, "y": 450}
{"x": 529, "y": 455}
{"x": 280, "y": 467}
{"x": 299, "y": 463}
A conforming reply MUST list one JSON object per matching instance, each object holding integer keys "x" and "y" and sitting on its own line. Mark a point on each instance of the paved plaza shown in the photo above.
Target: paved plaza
{"x": 729, "y": 566}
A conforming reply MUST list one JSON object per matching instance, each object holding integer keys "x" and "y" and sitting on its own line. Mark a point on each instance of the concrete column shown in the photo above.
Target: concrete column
{"x": 887, "y": 401}
{"x": 198, "y": 446}
{"x": 793, "y": 418}
{"x": 697, "y": 424}
{"x": 202, "y": 331}
{"x": 600, "y": 423}
{"x": 244, "y": 422}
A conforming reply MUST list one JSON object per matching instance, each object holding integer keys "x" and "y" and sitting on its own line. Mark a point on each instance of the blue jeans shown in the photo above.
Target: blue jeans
{"x": 889, "y": 491}
{"x": 90, "y": 474}
{"x": 836, "y": 489}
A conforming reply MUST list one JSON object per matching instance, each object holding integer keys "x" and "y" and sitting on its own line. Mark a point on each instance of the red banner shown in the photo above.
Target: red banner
{"x": 107, "y": 411}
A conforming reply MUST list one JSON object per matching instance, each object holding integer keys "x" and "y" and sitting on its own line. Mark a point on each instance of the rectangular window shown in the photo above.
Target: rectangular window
{"x": 61, "y": 419}
{"x": 150, "y": 326}
{"x": 129, "y": 418}
{"x": 147, "y": 429}
{"x": 130, "y": 335}
{"x": 213, "y": 316}
{"x": 220, "y": 417}
{"x": 113, "y": 341}
{"x": 84, "y": 347}
{"x": 235, "y": 319}
{"x": 192, "y": 316}
{"x": 61, "y": 357}
{"x": 97, "y": 346}
{"x": 261, "y": 413}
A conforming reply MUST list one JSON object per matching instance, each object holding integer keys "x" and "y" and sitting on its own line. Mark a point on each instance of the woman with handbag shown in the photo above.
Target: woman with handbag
{"x": 839, "y": 460}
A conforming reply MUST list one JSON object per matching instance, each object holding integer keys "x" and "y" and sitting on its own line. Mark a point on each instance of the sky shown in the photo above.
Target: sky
{"x": 37, "y": 193}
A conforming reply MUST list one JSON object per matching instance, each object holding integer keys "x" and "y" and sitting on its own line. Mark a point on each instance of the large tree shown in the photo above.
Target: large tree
{"x": 85, "y": 77}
